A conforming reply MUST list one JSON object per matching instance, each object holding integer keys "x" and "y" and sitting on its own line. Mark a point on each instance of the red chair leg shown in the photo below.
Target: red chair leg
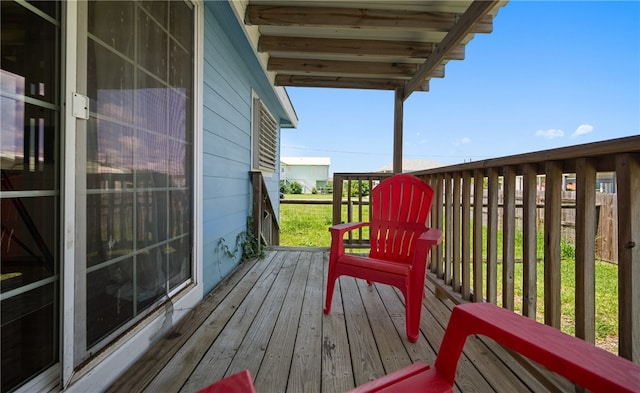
{"x": 331, "y": 283}
{"x": 413, "y": 301}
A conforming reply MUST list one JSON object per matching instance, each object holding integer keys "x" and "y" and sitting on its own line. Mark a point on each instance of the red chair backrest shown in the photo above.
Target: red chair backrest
{"x": 400, "y": 206}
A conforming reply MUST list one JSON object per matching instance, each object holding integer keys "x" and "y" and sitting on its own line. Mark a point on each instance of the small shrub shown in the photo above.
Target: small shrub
{"x": 296, "y": 188}
{"x": 284, "y": 187}
{"x": 567, "y": 251}
{"x": 362, "y": 189}
{"x": 314, "y": 190}
{"x": 329, "y": 188}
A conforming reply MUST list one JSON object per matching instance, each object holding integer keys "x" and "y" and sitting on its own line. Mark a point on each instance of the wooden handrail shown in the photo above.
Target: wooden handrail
{"x": 265, "y": 223}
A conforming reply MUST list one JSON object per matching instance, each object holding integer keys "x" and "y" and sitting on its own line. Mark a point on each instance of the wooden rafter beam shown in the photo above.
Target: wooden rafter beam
{"x": 362, "y": 68}
{"x": 343, "y": 82}
{"x": 353, "y": 47}
{"x": 477, "y": 11}
{"x": 271, "y": 15}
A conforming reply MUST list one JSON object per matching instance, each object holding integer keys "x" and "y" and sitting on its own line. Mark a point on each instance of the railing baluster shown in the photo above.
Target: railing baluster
{"x": 530, "y": 240}
{"x": 508, "y": 237}
{"x": 492, "y": 236}
{"x": 437, "y": 205}
{"x": 466, "y": 228}
{"x": 552, "y": 217}
{"x": 585, "y": 244}
{"x": 448, "y": 229}
{"x": 456, "y": 232}
{"x": 478, "y": 201}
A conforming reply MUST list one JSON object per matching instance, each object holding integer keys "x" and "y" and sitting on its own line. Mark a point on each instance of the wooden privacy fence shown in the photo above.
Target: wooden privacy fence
{"x": 605, "y": 223}
{"x": 465, "y": 265}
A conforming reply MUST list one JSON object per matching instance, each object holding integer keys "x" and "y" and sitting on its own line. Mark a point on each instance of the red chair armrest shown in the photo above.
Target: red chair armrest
{"x": 581, "y": 362}
{"x": 341, "y": 229}
{"x": 432, "y": 237}
{"x": 337, "y": 235}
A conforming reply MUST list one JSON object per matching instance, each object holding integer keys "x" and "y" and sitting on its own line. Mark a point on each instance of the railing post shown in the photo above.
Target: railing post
{"x": 337, "y": 199}
{"x": 628, "y": 176}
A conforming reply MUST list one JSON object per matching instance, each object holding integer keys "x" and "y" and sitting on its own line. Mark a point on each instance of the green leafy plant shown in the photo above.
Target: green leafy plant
{"x": 252, "y": 248}
{"x": 246, "y": 242}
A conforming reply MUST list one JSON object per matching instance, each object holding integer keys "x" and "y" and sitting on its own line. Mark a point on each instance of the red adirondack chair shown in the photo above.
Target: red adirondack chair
{"x": 240, "y": 382}
{"x": 400, "y": 242}
{"x": 579, "y": 361}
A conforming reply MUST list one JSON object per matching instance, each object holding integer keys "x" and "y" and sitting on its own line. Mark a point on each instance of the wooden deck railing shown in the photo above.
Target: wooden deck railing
{"x": 265, "y": 223}
{"x": 355, "y": 197}
{"x": 465, "y": 265}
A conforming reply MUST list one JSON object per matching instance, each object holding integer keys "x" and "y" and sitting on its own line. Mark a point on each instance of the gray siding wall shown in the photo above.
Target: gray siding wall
{"x": 229, "y": 79}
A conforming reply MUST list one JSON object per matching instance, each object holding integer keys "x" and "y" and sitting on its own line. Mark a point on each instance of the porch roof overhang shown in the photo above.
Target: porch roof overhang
{"x": 384, "y": 45}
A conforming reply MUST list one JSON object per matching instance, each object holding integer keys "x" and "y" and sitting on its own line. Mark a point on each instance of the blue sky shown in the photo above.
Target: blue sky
{"x": 551, "y": 74}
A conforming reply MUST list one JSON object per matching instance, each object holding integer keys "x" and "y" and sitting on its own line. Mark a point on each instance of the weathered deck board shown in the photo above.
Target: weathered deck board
{"x": 393, "y": 354}
{"x": 364, "y": 354}
{"x": 271, "y": 374}
{"x": 174, "y": 374}
{"x": 213, "y": 366}
{"x": 137, "y": 378}
{"x": 306, "y": 364}
{"x": 337, "y": 373}
{"x": 267, "y": 317}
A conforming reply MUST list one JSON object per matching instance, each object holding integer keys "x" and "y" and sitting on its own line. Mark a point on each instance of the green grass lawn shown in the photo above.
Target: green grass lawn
{"x": 307, "y": 226}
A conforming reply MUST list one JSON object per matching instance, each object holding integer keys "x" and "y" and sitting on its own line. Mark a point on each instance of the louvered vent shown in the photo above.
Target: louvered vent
{"x": 265, "y": 138}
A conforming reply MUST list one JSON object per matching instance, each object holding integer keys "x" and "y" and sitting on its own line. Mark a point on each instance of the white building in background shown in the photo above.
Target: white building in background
{"x": 309, "y": 172}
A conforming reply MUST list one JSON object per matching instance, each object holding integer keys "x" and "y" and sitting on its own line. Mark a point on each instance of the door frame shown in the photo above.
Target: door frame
{"x": 117, "y": 356}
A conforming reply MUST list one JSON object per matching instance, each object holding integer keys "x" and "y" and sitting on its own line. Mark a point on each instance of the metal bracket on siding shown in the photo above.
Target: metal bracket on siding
{"x": 80, "y": 106}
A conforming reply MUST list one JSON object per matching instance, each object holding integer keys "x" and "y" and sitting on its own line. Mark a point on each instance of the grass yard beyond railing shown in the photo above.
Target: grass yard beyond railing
{"x": 306, "y": 225}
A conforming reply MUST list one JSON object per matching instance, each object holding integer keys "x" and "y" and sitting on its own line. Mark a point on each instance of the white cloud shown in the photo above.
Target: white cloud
{"x": 462, "y": 141}
{"x": 582, "y": 130}
{"x": 423, "y": 141}
{"x": 550, "y": 133}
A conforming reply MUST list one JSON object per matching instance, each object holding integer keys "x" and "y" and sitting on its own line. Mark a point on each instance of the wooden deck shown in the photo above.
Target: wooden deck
{"x": 267, "y": 317}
